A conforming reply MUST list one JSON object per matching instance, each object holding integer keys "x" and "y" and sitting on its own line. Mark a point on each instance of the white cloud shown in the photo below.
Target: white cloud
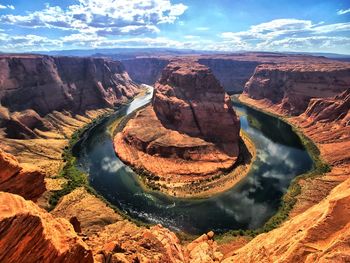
{"x": 343, "y": 11}
{"x": 290, "y": 35}
{"x": 113, "y": 17}
{"x": 28, "y": 42}
{"x": 324, "y": 43}
{"x": 7, "y": 6}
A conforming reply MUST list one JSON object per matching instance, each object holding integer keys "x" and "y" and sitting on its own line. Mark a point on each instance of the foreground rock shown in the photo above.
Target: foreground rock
{"x": 15, "y": 179}
{"x": 29, "y": 234}
{"x": 189, "y": 133}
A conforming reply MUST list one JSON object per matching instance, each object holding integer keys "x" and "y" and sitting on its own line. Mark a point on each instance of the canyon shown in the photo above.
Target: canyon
{"x": 44, "y": 100}
{"x": 190, "y": 133}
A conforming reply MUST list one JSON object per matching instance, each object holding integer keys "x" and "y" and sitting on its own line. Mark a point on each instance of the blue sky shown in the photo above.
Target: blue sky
{"x": 223, "y": 25}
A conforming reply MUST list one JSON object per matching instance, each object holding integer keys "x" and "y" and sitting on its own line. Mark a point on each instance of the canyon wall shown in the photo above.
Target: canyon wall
{"x": 189, "y": 99}
{"x": 292, "y": 86}
{"x": 232, "y": 74}
{"x": 145, "y": 70}
{"x": 32, "y": 86}
{"x": 315, "y": 99}
{"x": 232, "y": 70}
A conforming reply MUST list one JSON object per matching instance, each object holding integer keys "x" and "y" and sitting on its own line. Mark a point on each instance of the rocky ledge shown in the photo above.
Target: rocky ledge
{"x": 189, "y": 133}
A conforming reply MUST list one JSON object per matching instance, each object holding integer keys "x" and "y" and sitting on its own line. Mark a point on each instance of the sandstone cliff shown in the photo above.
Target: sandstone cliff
{"x": 293, "y": 85}
{"x": 329, "y": 110}
{"x": 189, "y": 132}
{"x": 232, "y": 70}
{"x": 15, "y": 179}
{"x": 189, "y": 99}
{"x": 32, "y": 86}
{"x": 29, "y": 234}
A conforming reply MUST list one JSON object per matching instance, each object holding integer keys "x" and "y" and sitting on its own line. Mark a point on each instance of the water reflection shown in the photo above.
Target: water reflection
{"x": 280, "y": 157}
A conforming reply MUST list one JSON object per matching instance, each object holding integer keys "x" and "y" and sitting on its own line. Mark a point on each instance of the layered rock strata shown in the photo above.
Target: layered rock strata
{"x": 43, "y": 100}
{"x": 318, "y": 230}
{"x": 189, "y": 132}
{"x": 15, "y": 179}
{"x": 292, "y": 86}
{"x": 29, "y": 234}
{"x": 33, "y": 86}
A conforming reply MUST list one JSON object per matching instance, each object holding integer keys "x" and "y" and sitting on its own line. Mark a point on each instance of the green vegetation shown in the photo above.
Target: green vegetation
{"x": 74, "y": 177}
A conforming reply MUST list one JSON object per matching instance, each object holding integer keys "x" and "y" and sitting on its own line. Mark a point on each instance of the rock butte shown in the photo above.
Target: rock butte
{"x": 190, "y": 130}
{"x": 318, "y": 227}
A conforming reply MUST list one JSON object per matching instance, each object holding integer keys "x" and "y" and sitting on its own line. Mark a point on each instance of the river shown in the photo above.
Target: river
{"x": 280, "y": 157}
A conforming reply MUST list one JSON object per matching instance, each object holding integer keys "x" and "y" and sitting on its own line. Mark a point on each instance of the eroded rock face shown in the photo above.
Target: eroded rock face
{"x": 330, "y": 109}
{"x": 34, "y": 86}
{"x": 189, "y": 99}
{"x": 292, "y": 86}
{"x": 190, "y": 130}
{"x": 29, "y": 234}
{"x": 15, "y": 179}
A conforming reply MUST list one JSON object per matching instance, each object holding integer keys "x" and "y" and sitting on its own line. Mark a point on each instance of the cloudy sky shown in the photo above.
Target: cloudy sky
{"x": 223, "y": 25}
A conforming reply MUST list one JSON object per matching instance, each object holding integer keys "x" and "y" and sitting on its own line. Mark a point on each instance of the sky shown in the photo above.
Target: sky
{"x": 214, "y": 25}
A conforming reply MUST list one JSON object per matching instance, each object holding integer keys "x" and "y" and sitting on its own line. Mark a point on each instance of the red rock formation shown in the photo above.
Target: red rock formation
{"x": 319, "y": 229}
{"x": 37, "y": 85}
{"x": 232, "y": 70}
{"x": 330, "y": 109}
{"x": 29, "y": 234}
{"x": 292, "y": 86}
{"x": 22, "y": 181}
{"x": 189, "y": 99}
{"x": 191, "y": 131}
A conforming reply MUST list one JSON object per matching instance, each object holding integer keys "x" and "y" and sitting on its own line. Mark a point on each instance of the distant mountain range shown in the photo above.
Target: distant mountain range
{"x": 129, "y": 53}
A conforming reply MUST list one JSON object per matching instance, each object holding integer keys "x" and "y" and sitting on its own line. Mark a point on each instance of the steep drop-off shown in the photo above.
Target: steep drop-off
{"x": 34, "y": 86}
{"x": 232, "y": 74}
{"x": 190, "y": 132}
{"x": 145, "y": 70}
{"x": 291, "y": 86}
